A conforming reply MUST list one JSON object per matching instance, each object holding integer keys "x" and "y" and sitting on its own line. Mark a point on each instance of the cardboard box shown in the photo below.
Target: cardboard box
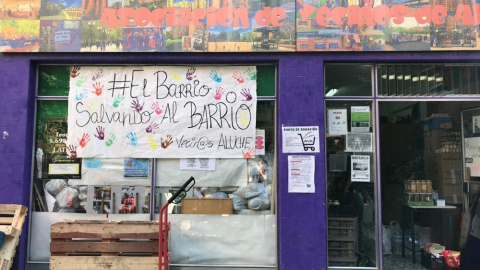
{"x": 445, "y": 166}
{"x": 451, "y": 192}
{"x": 207, "y": 206}
{"x": 437, "y": 123}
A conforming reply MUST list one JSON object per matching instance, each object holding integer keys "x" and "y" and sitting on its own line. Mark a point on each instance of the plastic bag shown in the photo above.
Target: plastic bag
{"x": 55, "y": 186}
{"x": 197, "y": 193}
{"x": 238, "y": 203}
{"x": 452, "y": 258}
{"x": 67, "y": 197}
{"x": 217, "y": 195}
{"x": 387, "y": 240}
{"x": 208, "y": 190}
{"x": 259, "y": 202}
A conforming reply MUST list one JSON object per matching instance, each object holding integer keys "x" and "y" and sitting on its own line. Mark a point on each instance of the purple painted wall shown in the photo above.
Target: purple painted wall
{"x": 301, "y": 217}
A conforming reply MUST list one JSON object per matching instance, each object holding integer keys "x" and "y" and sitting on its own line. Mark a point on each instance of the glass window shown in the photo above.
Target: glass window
{"x": 67, "y": 187}
{"x": 346, "y": 80}
{"x": 427, "y": 80}
{"x": 351, "y": 185}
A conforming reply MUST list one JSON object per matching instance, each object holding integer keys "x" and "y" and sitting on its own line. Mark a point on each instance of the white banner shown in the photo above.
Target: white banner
{"x": 162, "y": 112}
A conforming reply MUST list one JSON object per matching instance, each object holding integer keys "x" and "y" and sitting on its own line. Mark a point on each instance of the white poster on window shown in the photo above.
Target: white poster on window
{"x": 360, "y": 118}
{"x": 301, "y": 174}
{"x": 337, "y": 122}
{"x": 197, "y": 164}
{"x": 360, "y": 168}
{"x": 300, "y": 139}
{"x": 162, "y": 111}
{"x": 359, "y": 142}
{"x": 472, "y": 155}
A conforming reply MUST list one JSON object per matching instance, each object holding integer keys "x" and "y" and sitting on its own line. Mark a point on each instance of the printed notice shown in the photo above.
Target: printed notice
{"x": 472, "y": 155}
{"x": 359, "y": 142}
{"x": 300, "y": 139}
{"x": 197, "y": 164}
{"x": 360, "y": 168}
{"x": 63, "y": 168}
{"x": 337, "y": 122}
{"x": 301, "y": 174}
{"x": 360, "y": 118}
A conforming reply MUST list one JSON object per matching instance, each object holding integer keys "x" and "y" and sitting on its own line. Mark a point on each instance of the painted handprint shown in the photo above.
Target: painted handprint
{"x": 215, "y": 76}
{"x": 101, "y": 133}
{"x": 251, "y": 74}
{"x": 238, "y": 76}
{"x": 156, "y": 108}
{"x": 244, "y": 118}
{"x": 81, "y": 94}
{"x": 110, "y": 140}
{"x": 250, "y": 153}
{"x": 97, "y": 75}
{"x": 92, "y": 106}
{"x": 176, "y": 76}
{"x": 74, "y": 71}
{"x": 152, "y": 127}
{"x": 219, "y": 93}
{"x": 72, "y": 150}
{"x": 80, "y": 81}
{"x": 98, "y": 88}
{"x": 190, "y": 74}
{"x": 167, "y": 142}
{"x": 246, "y": 94}
{"x": 152, "y": 142}
{"x": 136, "y": 105}
{"x": 118, "y": 99}
{"x": 133, "y": 138}
{"x": 84, "y": 140}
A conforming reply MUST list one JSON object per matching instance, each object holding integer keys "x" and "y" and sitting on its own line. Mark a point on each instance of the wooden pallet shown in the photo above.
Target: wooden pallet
{"x": 104, "y": 245}
{"x": 12, "y": 217}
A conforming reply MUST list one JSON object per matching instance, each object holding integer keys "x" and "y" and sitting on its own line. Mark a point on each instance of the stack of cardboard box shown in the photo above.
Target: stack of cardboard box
{"x": 443, "y": 158}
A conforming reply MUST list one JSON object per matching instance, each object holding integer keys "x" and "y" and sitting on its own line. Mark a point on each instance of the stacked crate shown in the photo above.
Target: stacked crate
{"x": 104, "y": 245}
{"x": 342, "y": 241}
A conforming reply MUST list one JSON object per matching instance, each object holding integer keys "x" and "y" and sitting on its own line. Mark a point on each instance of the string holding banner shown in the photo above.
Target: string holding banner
{"x": 162, "y": 112}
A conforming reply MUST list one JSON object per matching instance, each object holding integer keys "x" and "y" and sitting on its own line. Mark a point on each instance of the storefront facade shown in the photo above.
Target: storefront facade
{"x": 303, "y": 88}
{"x": 301, "y": 217}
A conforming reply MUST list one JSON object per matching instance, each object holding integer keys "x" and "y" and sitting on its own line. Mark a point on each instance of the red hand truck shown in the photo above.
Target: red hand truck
{"x": 164, "y": 226}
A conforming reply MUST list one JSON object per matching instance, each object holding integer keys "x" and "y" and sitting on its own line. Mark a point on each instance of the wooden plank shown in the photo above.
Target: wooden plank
{"x": 7, "y": 250}
{"x": 104, "y": 230}
{"x": 10, "y": 231}
{"x": 132, "y": 235}
{"x": 6, "y": 220}
{"x": 110, "y": 227}
{"x": 110, "y": 263}
{"x": 5, "y": 208}
{"x": 5, "y": 264}
{"x": 115, "y": 247}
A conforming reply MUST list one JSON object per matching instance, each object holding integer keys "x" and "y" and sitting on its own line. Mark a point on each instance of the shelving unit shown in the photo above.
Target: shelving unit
{"x": 342, "y": 241}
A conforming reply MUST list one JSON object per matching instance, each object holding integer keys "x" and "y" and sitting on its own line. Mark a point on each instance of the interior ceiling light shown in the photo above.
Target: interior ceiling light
{"x": 331, "y": 92}
{"x": 423, "y": 78}
{"x": 414, "y": 79}
{"x": 439, "y": 79}
{"x": 391, "y": 77}
{"x": 400, "y": 77}
{"x": 431, "y": 78}
{"x": 407, "y": 77}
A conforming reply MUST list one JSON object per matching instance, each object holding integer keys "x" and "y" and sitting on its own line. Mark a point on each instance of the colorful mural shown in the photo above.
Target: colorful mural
{"x": 237, "y": 25}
